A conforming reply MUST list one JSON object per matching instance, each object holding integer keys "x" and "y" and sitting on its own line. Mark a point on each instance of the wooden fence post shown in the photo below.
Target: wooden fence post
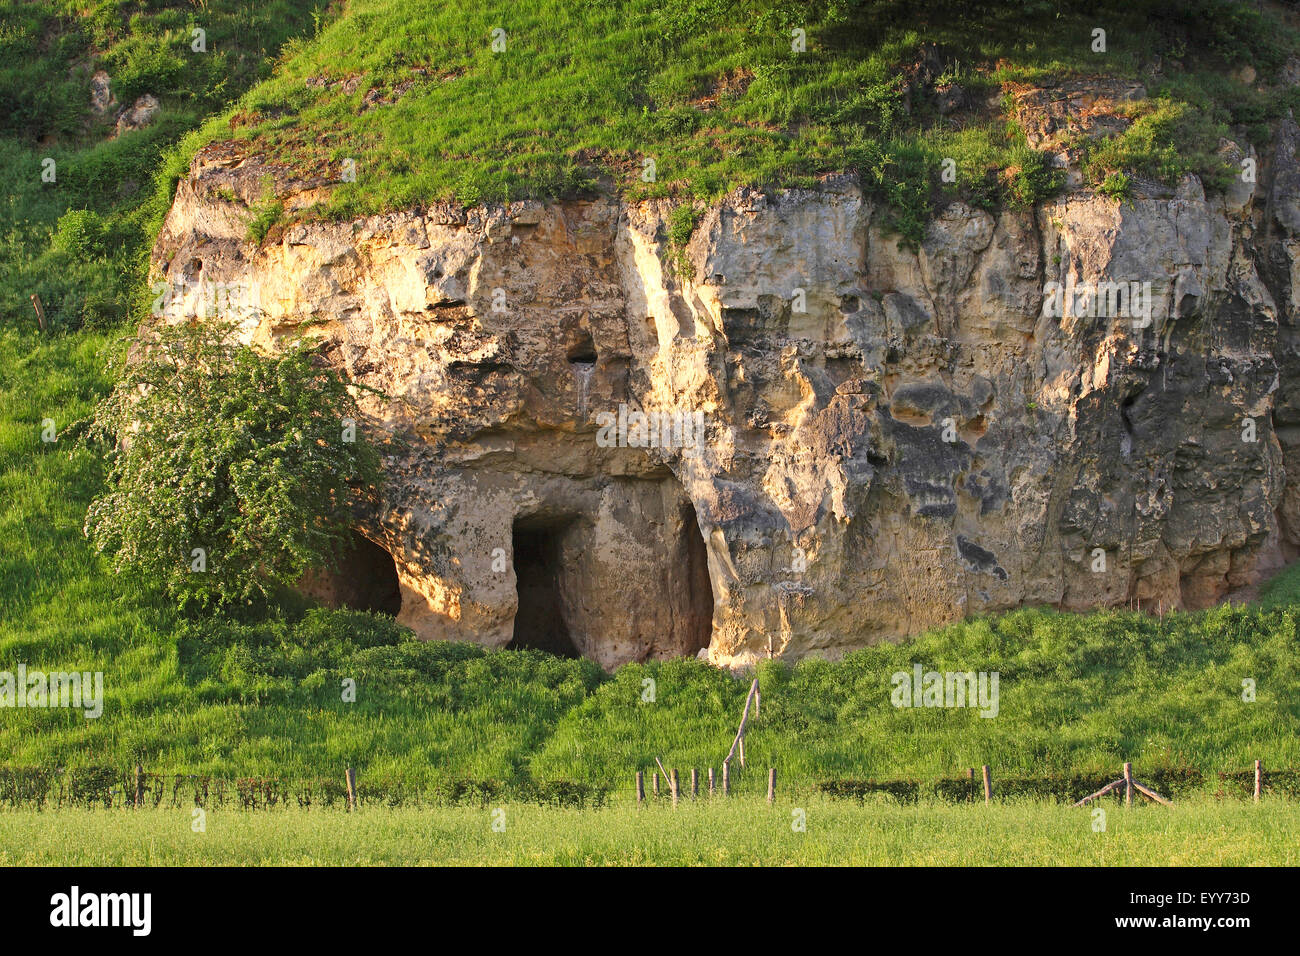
{"x": 351, "y": 776}
{"x": 710, "y": 781}
{"x": 988, "y": 784}
{"x": 640, "y": 788}
{"x": 695, "y": 782}
{"x": 40, "y": 311}
{"x": 654, "y": 779}
{"x": 139, "y": 785}
{"x": 740, "y": 733}
{"x": 1259, "y": 779}
{"x": 673, "y": 785}
{"x": 771, "y": 785}
{"x": 1128, "y": 785}
{"x": 726, "y": 780}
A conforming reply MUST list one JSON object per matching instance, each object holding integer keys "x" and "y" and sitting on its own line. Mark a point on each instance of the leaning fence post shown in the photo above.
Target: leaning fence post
{"x": 673, "y": 785}
{"x": 695, "y": 782}
{"x": 771, "y": 784}
{"x": 988, "y": 784}
{"x": 1128, "y": 785}
{"x": 1259, "y": 778}
{"x": 726, "y": 780}
{"x": 640, "y": 788}
{"x": 139, "y": 785}
{"x": 351, "y": 776}
{"x": 40, "y": 310}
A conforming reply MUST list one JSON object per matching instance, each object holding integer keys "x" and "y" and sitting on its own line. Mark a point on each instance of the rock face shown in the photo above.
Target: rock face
{"x": 139, "y": 115}
{"x": 102, "y": 99}
{"x": 891, "y": 439}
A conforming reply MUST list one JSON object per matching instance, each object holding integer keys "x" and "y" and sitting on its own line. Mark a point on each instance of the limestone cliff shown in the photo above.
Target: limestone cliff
{"x": 892, "y": 438}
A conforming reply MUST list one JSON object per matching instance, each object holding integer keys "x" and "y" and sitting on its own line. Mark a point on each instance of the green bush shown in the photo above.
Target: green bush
{"x": 229, "y": 472}
{"x": 80, "y": 233}
{"x": 1116, "y": 185}
{"x": 265, "y": 215}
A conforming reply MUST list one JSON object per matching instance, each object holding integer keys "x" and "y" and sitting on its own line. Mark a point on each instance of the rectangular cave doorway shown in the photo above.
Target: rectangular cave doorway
{"x": 539, "y": 620}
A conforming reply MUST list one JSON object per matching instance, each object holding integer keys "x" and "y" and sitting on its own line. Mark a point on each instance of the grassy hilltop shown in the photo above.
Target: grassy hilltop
{"x": 581, "y": 96}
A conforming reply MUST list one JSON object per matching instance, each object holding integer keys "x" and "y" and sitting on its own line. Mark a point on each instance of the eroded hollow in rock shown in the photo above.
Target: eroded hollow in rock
{"x": 618, "y": 577}
{"x": 539, "y": 621}
{"x": 366, "y": 580}
{"x": 699, "y": 591}
{"x": 581, "y": 350}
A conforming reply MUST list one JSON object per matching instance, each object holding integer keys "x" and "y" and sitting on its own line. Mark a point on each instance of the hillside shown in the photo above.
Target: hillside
{"x": 433, "y": 119}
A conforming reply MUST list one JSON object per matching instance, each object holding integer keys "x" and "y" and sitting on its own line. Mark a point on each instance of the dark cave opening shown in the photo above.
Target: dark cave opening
{"x": 539, "y": 620}
{"x": 365, "y": 580}
{"x": 699, "y": 622}
{"x": 581, "y": 349}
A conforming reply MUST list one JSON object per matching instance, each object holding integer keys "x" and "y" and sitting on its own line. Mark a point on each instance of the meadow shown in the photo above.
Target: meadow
{"x": 736, "y": 832}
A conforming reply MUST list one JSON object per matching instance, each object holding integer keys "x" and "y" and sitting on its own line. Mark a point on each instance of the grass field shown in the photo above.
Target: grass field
{"x": 738, "y": 832}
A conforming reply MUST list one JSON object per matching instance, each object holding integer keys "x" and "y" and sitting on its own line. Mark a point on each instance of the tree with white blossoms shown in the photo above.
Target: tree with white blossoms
{"x": 230, "y": 472}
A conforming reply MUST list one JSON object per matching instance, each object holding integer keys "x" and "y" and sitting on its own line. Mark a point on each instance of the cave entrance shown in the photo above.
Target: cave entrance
{"x": 539, "y": 620}
{"x": 694, "y": 557}
{"x": 365, "y": 580}
{"x": 375, "y": 586}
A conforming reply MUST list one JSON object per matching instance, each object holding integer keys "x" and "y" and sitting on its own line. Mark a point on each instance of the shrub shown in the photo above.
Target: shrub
{"x": 265, "y": 215}
{"x": 229, "y": 472}
{"x": 80, "y": 233}
{"x": 681, "y": 226}
{"x": 1116, "y": 185}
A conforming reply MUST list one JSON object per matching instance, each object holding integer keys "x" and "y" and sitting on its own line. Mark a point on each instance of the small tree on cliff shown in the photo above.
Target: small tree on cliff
{"x": 230, "y": 472}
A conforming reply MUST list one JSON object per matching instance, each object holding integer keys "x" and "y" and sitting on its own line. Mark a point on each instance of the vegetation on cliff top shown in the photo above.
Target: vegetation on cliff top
{"x": 500, "y": 101}
{"x": 580, "y": 97}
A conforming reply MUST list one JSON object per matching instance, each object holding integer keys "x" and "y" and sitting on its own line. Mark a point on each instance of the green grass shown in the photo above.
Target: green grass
{"x": 584, "y": 94}
{"x": 1076, "y": 693}
{"x": 731, "y": 833}
{"x": 48, "y": 51}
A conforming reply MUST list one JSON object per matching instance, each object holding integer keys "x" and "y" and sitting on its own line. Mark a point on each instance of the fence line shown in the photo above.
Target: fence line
{"x": 135, "y": 788}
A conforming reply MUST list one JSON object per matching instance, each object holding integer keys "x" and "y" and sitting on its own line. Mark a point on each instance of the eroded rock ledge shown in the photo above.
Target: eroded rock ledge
{"x": 894, "y": 438}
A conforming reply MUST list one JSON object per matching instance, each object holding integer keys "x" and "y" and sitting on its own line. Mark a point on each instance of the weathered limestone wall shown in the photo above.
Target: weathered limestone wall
{"x": 893, "y": 438}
